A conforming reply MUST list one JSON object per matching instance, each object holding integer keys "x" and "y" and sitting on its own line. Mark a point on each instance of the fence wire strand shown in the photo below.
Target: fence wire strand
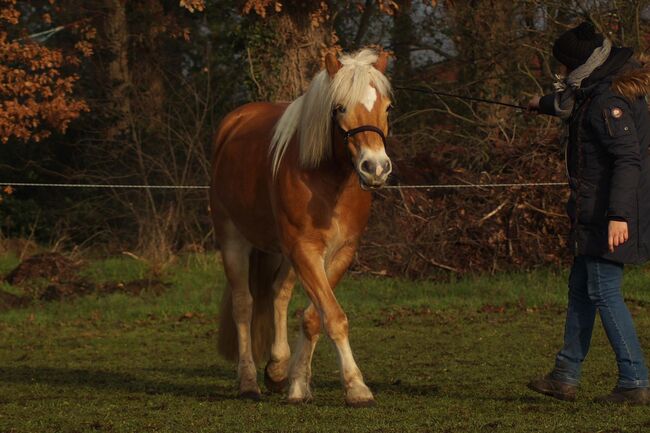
{"x": 136, "y": 186}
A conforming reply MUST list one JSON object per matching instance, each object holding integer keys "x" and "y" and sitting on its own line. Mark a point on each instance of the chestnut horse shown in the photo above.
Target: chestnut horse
{"x": 289, "y": 198}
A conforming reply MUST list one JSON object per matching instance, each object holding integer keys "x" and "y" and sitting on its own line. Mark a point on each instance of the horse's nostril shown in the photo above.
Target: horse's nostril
{"x": 366, "y": 166}
{"x": 387, "y": 166}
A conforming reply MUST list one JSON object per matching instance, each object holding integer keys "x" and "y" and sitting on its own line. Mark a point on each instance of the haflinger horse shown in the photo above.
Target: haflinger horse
{"x": 290, "y": 197}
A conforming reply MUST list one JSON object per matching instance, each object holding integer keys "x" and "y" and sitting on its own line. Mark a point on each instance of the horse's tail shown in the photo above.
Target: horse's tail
{"x": 263, "y": 269}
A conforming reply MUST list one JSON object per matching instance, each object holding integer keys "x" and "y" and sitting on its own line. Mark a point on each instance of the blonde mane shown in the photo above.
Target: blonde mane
{"x": 310, "y": 115}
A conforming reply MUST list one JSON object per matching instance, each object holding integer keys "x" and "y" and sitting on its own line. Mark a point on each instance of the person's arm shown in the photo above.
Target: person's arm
{"x": 613, "y": 123}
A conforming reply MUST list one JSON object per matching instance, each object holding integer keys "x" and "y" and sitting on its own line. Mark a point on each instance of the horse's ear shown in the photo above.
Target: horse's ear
{"x": 382, "y": 61}
{"x": 332, "y": 64}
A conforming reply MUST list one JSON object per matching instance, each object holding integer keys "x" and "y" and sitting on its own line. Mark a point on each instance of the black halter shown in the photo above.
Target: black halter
{"x": 352, "y": 132}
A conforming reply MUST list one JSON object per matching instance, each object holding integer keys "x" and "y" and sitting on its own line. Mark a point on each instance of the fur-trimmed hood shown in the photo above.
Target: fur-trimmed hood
{"x": 633, "y": 82}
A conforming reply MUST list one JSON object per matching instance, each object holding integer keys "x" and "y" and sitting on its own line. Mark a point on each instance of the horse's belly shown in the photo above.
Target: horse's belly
{"x": 249, "y": 210}
{"x": 240, "y": 175}
{"x": 264, "y": 240}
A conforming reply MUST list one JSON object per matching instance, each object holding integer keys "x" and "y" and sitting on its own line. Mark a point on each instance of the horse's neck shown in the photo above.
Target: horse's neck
{"x": 339, "y": 169}
{"x": 342, "y": 178}
{"x": 330, "y": 190}
{"x": 335, "y": 176}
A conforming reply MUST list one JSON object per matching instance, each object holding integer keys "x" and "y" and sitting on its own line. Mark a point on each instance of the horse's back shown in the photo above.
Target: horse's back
{"x": 247, "y": 128}
{"x": 241, "y": 172}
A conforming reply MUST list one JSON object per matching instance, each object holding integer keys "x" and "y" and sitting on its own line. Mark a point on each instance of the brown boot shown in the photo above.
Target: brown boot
{"x": 640, "y": 396}
{"x": 554, "y": 388}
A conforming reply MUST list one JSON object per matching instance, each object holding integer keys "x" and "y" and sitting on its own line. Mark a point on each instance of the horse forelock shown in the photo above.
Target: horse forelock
{"x": 310, "y": 116}
{"x": 350, "y": 84}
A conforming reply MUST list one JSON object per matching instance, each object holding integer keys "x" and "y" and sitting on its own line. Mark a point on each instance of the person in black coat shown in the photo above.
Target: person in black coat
{"x": 603, "y": 104}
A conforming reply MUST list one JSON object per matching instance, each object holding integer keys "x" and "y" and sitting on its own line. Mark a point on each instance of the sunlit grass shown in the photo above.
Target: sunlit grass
{"x": 439, "y": 356}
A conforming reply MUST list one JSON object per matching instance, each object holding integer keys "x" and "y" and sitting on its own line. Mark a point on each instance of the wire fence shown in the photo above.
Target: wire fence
{"x": 200, "y": 187}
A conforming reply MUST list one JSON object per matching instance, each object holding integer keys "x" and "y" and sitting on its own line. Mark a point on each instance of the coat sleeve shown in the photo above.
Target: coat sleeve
{"x": 547, "y": 104}
{"x": 613, "y": 122}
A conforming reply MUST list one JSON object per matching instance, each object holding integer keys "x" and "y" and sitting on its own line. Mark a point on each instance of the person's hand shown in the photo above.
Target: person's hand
{"x": 533, "y": 104}
{"x": 617, "y": 234}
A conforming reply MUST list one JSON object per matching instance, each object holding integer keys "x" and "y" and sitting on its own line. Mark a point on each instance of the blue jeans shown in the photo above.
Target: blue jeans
{"x": 595, "y": 285}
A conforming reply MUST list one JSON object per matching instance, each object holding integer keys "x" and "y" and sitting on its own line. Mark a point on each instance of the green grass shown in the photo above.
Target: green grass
{"x": 7, "y": 263}
{"x": 440, "y": 357}
{"x": 115, "y": 269}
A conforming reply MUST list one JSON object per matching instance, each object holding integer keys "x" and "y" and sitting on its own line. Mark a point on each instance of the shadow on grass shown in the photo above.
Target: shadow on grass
{"x": 113, "y": 381}
{"x": 132, "y": 383}
{"x": 399, "y": 387}
{"x": 214, "y": 372}
{"x": 396, "y": 387}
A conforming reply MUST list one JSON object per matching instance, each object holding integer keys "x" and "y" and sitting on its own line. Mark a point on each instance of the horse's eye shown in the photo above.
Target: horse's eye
{"x": 389, "y": 108}
{"x": 340, "y": 109}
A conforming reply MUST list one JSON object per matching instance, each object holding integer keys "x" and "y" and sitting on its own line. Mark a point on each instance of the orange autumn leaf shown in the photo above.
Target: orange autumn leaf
{"x": 193, "y": 5}
{"x": 260, "y": 6}
{"x": 36, "y": 95}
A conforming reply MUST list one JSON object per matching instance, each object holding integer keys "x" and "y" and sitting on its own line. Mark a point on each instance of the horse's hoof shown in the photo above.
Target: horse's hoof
{"x": 358, "y": 404}
{"x": 276, "y": 387}
{"x": 299, "y": 401}
{"x": 250, "y": 395}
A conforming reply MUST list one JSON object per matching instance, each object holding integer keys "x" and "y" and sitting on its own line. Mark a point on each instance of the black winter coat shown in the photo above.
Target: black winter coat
{"x": 607, "y": 159}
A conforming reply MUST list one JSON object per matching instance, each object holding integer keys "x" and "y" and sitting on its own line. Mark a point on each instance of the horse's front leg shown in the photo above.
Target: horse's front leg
{"x": 319, "y": 283}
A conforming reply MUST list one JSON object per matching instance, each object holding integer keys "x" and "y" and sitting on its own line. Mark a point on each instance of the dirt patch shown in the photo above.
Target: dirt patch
{"x": 62, "y": 282}
{"x": 135, "y": 288}
{"x": 638, "y": 303}
{"x": 66, "y": 290}
{"x": 50, "y": 266}
{"x": 74, "y": 289}
{"x": 9, "y": 301}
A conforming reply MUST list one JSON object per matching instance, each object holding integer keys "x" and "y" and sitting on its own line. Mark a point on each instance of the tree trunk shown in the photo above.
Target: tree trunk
{"x": 364, "y": 23}
{"x": 147, "y": 67}
{"x": 403, "y": 39}
{"x": 285, "y": 51}
{"x": 116, "y": 36}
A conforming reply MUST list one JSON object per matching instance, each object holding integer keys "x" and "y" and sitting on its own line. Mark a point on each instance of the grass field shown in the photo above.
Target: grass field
{"x": 440, "y": 357}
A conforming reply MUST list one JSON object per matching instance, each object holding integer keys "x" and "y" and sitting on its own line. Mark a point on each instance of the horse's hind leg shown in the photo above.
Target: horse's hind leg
{"x": 236, "y": 250}
{"x": 276, "y": 371}
{"x": 300, "y": 370}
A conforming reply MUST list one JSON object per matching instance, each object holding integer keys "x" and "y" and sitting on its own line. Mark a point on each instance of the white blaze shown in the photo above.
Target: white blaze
{"x": 369, "y": 98}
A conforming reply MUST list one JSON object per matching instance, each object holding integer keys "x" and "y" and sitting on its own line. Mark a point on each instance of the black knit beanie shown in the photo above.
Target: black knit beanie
{"x": 575, "y": 46}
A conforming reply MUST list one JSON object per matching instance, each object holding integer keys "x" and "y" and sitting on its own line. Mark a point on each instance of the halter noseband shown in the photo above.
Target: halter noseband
{"x": 354, "y": 131}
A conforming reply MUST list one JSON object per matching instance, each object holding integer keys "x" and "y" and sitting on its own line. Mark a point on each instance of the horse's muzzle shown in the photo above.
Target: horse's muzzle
{"x": 374, "y": 171}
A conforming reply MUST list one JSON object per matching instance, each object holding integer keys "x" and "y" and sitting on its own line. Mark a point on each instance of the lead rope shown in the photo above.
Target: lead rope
{"x": 467, "y": 98}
